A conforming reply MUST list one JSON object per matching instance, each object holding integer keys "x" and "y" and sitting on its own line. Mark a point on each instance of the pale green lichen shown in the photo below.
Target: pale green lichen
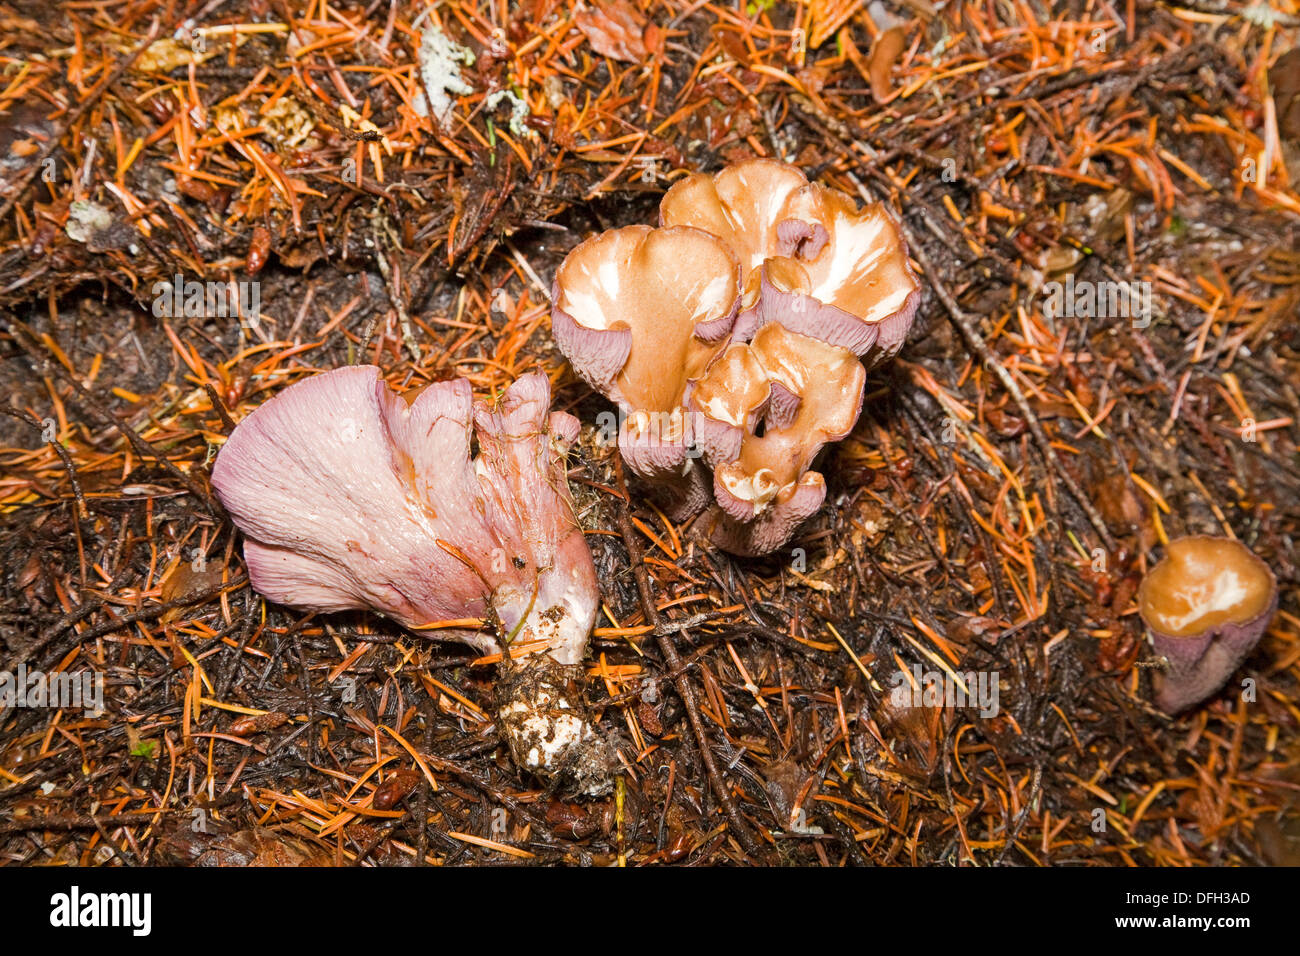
{"x": 518, "y": 112}
{"x": 440, "y": 58}
{"x": 86, "y": 218}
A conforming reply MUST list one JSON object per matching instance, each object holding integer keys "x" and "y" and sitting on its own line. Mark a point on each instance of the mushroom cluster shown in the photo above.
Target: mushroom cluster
{"x": 1206, "y": 604}
{"x": 351, "y": 496}
{"x": 735, "y": 338}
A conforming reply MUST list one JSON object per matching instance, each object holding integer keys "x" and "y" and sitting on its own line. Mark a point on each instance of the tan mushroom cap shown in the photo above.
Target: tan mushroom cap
{"x": 828, "y": 382}
{"x": 735, "y": 386}
{"x": 1203, "y": 583}
{"x": 807, "y": 238}
{"x": 863, "y": 269}
{"x": 661, "y": 286}
{"x": 742, "y": 205}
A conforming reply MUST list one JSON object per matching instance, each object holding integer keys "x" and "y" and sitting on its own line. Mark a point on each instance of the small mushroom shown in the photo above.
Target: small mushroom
{"x": 351, "y": 497}
{"x": 1206, "y": 605}
{"x": 885, "y": 51}
{"x": 815, "y": 395}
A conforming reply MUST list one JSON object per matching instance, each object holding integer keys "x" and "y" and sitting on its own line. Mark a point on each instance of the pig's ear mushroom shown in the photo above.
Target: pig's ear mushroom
{"x": 1206, "y": 604}
{"x": 351, "y": 498}
{"x": 743, "y": 205}
{"x": 731, "y": 336}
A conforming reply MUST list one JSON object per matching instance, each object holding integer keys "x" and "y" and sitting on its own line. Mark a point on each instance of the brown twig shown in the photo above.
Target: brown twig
{"x": 975, "y": 342}
{"x": 684, "y": 688}
{"x": 90, "y": 99}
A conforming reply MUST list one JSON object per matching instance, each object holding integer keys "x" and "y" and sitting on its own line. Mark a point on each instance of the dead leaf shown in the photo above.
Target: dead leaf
{"x": 184, "y": 581}
{"x": 571, "y": 820}
{"x": 783, "y": 779}
{"x": 889, "y": 46}
{"x": 1284, "y": 77}
{"x": 395, "y": 789}
{"x": 258, "y": 723}
{"x": 616, "y": 30}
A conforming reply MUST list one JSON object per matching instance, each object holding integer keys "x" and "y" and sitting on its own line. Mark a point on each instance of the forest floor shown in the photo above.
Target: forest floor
{"x": 1013, "y": 474}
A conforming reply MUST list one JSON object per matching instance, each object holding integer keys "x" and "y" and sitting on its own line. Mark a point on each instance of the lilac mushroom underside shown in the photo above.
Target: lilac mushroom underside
{"x": 349, "y": 498}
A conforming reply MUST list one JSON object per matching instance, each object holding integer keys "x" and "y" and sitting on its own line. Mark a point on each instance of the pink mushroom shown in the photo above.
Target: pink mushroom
{"x": 640, "y": 312}
{"x": 810, "y": 258}
{"x": 349, "y": 497}
{"x": 768, "y": 489}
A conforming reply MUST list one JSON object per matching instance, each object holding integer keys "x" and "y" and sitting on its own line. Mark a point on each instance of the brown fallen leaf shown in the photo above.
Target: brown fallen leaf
{"x": 1003, "y": 422}
{"x": 920, "y": 726}
{"x": 184, "y": 581}
{"x": 395, "y": 789}
{"x": 571, "y": 820}
{"x": 889, "y": 46}
{"x": 258, "y": 723}
{"x": 1284, "y": 78}
{"x": 615, "y": 29}
{"x": 783, "y": 779}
